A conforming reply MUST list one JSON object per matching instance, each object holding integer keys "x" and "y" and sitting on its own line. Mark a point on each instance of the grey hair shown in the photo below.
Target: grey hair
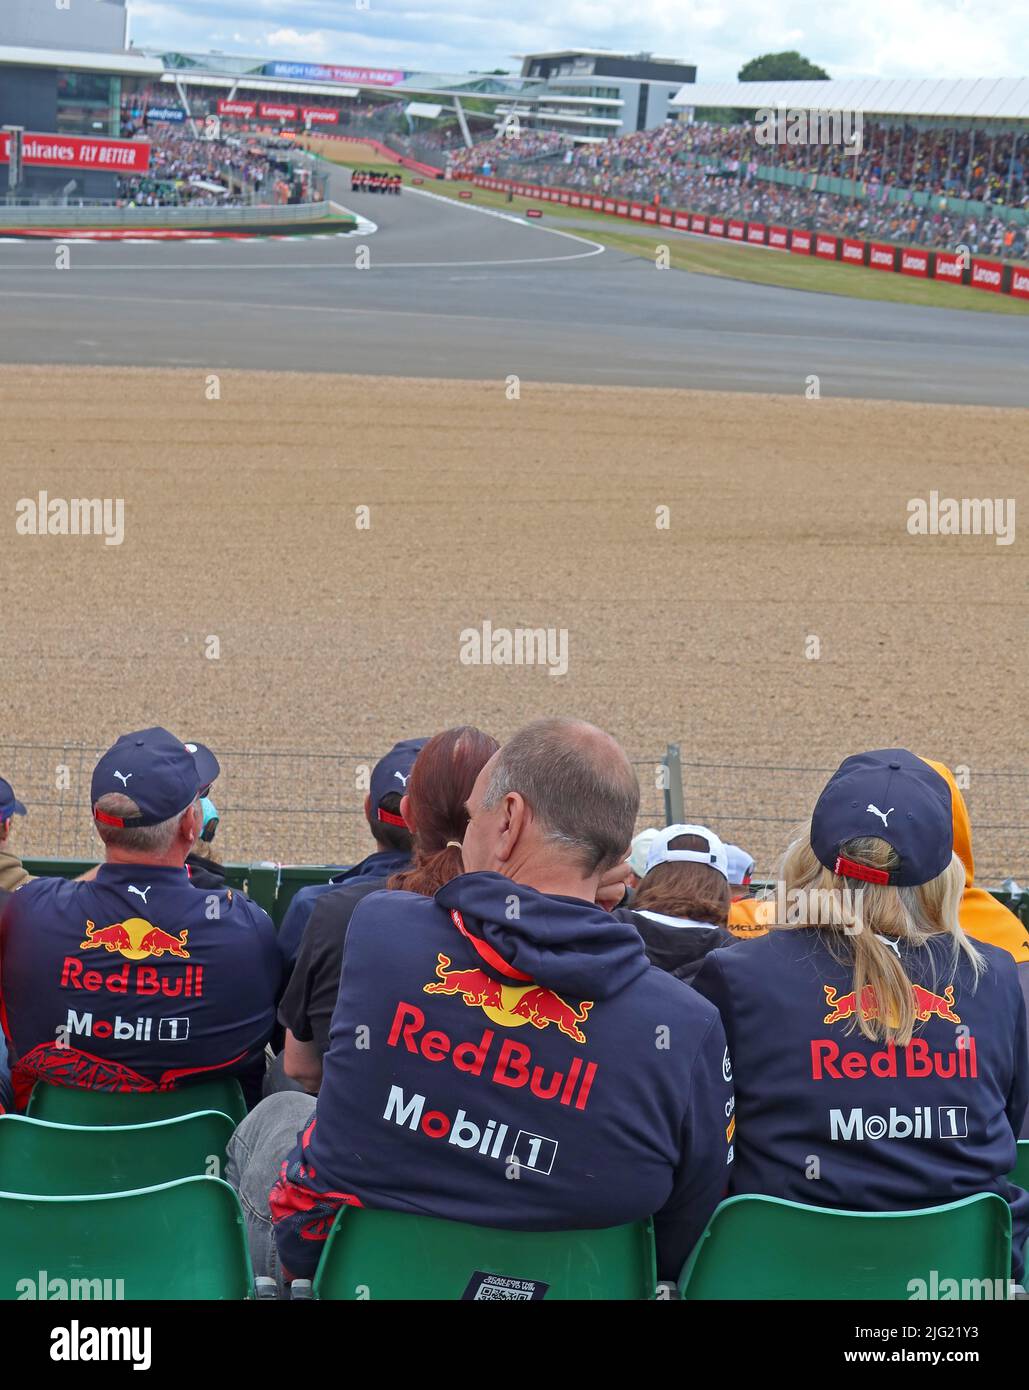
{"x": 141, "y": 839}
{"x": 579, "y": 785}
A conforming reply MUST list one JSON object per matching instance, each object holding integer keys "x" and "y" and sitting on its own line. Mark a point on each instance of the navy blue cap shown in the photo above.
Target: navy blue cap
{"x": 390, "y": 774}
{"x": 155, "y": 769}
{"x": 9, "y": 803}
{"x": 892, "y": 795}
{"x": 208, "y": 765}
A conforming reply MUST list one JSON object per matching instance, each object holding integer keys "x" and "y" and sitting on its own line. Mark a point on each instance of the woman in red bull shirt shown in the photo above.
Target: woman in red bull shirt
{"x": 879, "y": 1054}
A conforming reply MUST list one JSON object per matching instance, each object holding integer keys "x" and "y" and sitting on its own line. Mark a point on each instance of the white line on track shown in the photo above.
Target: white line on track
{"x": 519, "y": 221}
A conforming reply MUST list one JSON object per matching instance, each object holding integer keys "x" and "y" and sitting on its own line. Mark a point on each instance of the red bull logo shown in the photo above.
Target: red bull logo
{"x": 474, "y": 986}
{"x": 135, "y": 938}
{"x": 542, "y": 1006}
{"x": 926, "y": 1003}
{"x": 510, "y": 1005}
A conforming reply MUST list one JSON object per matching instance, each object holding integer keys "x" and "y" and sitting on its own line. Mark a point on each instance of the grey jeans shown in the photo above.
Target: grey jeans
{"x": 255, "y": 1154}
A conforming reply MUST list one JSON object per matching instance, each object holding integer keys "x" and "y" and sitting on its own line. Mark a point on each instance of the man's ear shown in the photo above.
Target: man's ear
{"x": 405, "y": 811}
{"x": 368, "y": 806}
{"x": 189, "y": 824}
{"x": 514, "y": 823}
{"x": 5, "y": 828}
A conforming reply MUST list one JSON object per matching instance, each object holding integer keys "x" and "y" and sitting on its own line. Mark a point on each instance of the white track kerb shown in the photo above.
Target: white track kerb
{"x": 597, "y": 250}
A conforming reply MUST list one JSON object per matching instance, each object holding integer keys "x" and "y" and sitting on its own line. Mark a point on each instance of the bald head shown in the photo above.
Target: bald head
{"x": 578, "y": 785}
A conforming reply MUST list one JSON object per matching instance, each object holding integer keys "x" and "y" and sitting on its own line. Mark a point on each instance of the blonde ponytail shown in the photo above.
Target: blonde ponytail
{"x": 883, "y": 994}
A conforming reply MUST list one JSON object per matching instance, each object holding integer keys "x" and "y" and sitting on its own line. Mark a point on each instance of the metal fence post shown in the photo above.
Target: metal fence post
{"x": 674, "y": 804}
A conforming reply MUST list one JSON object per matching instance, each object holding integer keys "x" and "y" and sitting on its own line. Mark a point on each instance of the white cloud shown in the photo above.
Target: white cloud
{"x": 876, "y": 38}
{"x": 296, "y": 42}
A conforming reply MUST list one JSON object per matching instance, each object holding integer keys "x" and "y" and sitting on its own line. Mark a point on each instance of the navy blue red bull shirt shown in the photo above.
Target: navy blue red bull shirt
{"x": 511, "y": 1059}
{"x": 135, "y": 981}
{"x": 892, "y": 1128}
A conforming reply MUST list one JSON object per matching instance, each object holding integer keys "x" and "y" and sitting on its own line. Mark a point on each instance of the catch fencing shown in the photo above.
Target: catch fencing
{"x": 295, "y": 807}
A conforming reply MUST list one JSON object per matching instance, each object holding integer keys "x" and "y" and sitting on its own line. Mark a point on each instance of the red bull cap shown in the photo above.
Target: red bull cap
{"x": 892, "y": 795}
{"x": 155, "y": 769}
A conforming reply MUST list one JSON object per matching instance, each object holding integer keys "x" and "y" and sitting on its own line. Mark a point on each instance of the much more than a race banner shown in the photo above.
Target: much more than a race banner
{"x": 80, "y": 152}
{"x": 318, "y": 72}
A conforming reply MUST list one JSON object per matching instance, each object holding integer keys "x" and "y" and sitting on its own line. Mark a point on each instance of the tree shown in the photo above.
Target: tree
{"x": 781, "y": 67}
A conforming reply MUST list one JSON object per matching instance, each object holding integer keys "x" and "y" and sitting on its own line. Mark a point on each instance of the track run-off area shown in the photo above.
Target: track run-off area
{"x": 445, "y": 289}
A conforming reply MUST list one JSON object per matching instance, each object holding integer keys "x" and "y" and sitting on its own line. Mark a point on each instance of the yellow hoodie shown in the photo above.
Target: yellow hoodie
{"x": 982, "y": 916}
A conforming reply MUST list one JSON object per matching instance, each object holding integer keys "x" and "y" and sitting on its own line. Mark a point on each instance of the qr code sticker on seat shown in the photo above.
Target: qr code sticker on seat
{"x": 484, "y": 1287}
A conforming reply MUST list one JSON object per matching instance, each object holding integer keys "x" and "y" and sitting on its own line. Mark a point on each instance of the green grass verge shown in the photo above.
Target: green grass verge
{"x": 760, "y": 267}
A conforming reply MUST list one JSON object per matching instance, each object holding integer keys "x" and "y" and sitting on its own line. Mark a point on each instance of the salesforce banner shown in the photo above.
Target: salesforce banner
{"x": 165, "y": 113}
{"x": 316, "y": 72}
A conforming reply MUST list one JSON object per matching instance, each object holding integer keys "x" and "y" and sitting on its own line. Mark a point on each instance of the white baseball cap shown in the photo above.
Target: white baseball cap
{"x": 741, "y": 865}
{"x": 641, "y": 843}
{"x": 714, "y": 856}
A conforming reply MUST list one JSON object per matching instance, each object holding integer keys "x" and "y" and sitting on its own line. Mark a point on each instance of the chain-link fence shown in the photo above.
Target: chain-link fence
{"x": 759, "y": 805}
{"x": 308, "y": 808}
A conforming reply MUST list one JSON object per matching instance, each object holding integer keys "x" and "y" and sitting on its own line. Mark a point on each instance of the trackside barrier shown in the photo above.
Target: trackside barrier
{"x": 305, "y": 808}
{"x": 273, "y": 886}
{"x": 996, "y": 277}
{"x": 186, "y": 217}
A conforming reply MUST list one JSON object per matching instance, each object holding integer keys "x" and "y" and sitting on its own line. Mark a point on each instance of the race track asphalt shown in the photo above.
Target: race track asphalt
{"x": 455, "y": 292}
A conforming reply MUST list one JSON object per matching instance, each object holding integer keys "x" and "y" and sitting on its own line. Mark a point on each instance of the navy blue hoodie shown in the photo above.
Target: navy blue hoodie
{"x": 511, "y": 1059}
{"x": 892, "y": 1128}
{"x": 136, "y": 981}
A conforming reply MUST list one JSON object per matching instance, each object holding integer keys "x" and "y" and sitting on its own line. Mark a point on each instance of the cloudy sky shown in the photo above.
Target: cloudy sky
{"x": 880, "y": 38}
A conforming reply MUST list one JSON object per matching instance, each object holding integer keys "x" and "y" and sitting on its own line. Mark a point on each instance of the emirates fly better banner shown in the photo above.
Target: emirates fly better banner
{"x": 80, "y": 152}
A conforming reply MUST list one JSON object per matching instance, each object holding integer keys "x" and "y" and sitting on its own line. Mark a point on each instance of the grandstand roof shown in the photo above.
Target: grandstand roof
{"x": 981, "y": 98}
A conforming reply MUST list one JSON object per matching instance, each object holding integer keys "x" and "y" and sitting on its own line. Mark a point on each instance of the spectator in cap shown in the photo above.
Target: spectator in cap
{"x": 13, "y": 873}
{"x": 203, "y": 869}
{"x": 681, "y": 906}
{"x": 982, "y": 916}
{"x": 134, "y": 981}
{"x": 740, "y": 867}
{"x": 389, "y": 831}
{"x": 638, "y": 851}
{"x": 434, "y": 807}
{"x": 445, "y": 985}
{"x": 6, "y": 1092}
{"x": 870, "y": 1037}
{"x": 749, "y": 917}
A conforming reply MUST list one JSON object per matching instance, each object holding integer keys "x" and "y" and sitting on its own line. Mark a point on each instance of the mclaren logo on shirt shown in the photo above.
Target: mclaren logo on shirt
{"x": 510, "y": 1005}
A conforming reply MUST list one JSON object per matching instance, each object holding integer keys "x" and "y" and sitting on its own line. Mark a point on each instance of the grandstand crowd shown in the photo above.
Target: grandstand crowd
{"x": 518, "y": 1012}
{"x": 710, "y": 168}
{"x": 185, "y": 171}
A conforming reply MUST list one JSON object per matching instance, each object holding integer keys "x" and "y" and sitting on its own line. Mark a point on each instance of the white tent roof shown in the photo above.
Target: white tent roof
{"x": 982, "y": 98}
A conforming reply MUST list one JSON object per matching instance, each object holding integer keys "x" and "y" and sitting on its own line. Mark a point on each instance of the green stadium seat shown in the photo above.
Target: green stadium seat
{"x": 1020, "y": 1172}
{"x": 182, "y": 1240}
{"x": 74, "y": 1105}
{"x": 49, "y": 1160}
{"x": 397, "y": 1255}
{"x": 768, "y": 1248}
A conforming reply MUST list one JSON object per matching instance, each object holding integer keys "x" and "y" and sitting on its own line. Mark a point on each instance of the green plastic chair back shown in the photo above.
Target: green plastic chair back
{"x": 396, "y": 1255}
{"x": 183, "y": 1240}
{"x": 50, "y": 1160}
{"x": 768, "y": 1248}
{"x": 1020, "y": 1173}
{"x": 74, "y": 1105}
